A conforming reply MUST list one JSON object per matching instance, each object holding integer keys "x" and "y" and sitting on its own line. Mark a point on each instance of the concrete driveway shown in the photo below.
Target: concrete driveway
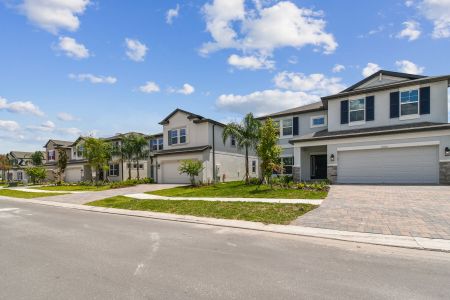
{"x": 82, "y": 198}
{"x": 419, "y": 211}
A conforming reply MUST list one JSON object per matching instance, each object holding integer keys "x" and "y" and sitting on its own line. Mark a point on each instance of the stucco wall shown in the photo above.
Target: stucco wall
{"x": 197, "y": 133}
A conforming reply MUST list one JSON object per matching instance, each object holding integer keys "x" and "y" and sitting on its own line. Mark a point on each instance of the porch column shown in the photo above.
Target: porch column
{"x": 296, "y": 169}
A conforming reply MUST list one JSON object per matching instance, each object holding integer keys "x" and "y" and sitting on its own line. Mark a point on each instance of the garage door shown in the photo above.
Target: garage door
{"x": 170, "y": 173}
{"x": 394, "y": 165}
{"x": 72, "y": 175}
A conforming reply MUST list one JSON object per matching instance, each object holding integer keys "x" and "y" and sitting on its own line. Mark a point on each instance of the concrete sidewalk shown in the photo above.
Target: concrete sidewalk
{"x": 143, "y": 196}
{"x": 358, "y": 237}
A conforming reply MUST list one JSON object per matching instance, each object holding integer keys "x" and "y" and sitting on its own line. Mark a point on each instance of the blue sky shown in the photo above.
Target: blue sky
{"x": 72, "y": 67}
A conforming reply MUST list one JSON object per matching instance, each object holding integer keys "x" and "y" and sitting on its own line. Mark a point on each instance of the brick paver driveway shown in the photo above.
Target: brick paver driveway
{"x": 420, "y": 211}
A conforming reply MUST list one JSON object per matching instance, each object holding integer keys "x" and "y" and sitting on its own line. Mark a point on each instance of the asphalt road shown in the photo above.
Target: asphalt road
{"x": 58, "y": 253}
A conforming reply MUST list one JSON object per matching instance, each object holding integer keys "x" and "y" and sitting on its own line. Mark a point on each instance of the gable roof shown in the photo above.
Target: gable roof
{"x": 119, "y": 136}
{"x": 191, "y": 116}
{"x": 59, "y": 143}
{"x": 316, "y": 106}
{"x": 21, "y": 154}
{"x": 405, "y": 76}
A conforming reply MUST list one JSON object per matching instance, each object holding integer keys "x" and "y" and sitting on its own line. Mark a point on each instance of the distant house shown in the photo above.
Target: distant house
{"x": 19, "y": 161}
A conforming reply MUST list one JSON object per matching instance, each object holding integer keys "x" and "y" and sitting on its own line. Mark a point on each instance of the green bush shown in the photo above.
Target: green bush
{"x": 314, "y": 186}
{"x": 254, "y": 181}
{"x": 130, "y": 182}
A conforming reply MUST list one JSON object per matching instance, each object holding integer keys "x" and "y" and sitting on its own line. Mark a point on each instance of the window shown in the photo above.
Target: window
{"x": 156, "y": 144}
{"x": 160, "y": 143}
{"x": 318, "y": 121}
{"x": 174, "y": 134}
{"x": 80, "y": 150}
{"x": 287, "y": 127}
{"x": 113, "y": 170}
{"x": 287, "y": 163}
{"x": 19, "y": 176}
{"x": 253, "y": 166}
{"x": 357, "y": 110}
{"x": 409, "y": 103}
{"x": 233, "y": 141}
{"x": 51, "y": 155}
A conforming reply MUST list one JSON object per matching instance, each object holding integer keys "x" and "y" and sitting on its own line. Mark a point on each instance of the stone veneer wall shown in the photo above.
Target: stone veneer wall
{"x": 332, "y": 173}
{"x": 296, "y": 174}
{"x": 444, "y": 172}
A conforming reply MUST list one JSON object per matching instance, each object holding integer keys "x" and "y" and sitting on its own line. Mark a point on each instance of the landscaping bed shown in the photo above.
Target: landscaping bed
{"x": 238, "y": 189}
{"x": 26, "y": 195}
{"x": 91, "y": 187}
{"x": 268, "y": 213}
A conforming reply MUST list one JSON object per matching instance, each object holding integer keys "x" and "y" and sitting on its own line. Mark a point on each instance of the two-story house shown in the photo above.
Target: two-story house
{"x": 19, "y": 161}
{"x": 388, "y": 128}
{"x": 52, "y": 155}
{"x": 190, "y": 136}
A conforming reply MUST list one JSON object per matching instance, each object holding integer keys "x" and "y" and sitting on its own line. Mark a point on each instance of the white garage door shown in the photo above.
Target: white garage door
{"x": 170, "y": 173}
{"x": 395, "y": 165}
{"x": 72, "y": 175}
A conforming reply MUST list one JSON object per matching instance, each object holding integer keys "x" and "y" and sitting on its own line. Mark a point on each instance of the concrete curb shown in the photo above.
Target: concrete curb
{"x": 358, "y": 237}
{"x": 144, "y": 196}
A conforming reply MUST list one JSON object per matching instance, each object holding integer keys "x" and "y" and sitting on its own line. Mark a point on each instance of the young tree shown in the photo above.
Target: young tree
{"x": 246, "y": 135}
{"x": 125, "y": 151}
{"x": 5, "y": 166}
{"x": 37, "y": 158}
{"x": 36, "y": 174}
{"x": 62, "y": 163}
{"x": 98, "y": 153}
{"x": 191, "y": 168}
{"x": 268, "y": 149}
{"x": 140, "y": 150}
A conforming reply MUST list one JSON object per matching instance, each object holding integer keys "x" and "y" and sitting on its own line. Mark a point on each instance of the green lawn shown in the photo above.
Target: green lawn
{"x": 269, "y": 213}
{"x": 72, "y": 188}
{"x": 238, "y": 189}
{"x": 25, "y": 195}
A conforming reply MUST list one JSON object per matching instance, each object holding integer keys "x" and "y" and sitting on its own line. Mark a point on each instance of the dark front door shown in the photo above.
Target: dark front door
{"x": 319, "y": 166}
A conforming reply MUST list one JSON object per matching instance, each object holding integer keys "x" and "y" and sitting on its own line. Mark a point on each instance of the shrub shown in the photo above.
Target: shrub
{"x": 314, "y": 186}
{"x": 36, "y": 174}
{"x": 192, "y": 168}
{"x": 130, "y": 182}
{"x": 254, "y": 181}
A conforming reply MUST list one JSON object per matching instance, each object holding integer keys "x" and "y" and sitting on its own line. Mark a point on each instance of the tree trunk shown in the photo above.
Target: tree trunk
{"x": 137, "y": 166}
{"x": 129, "y": 169}
{"x": 246, "y": 165}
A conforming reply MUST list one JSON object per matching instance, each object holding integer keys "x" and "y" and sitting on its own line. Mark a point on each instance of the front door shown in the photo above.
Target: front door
{"x": 319, "y": 166}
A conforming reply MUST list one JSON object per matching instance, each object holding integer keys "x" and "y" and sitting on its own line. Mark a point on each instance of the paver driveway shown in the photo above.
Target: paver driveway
{"x": 420, "y": 211}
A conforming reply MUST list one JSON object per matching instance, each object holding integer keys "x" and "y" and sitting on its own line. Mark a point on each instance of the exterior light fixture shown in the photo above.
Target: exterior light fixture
{"x": 332, "y": 157}
{"x": 447, "y": 151}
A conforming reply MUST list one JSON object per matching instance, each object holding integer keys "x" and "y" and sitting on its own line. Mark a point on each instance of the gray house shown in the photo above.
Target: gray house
{"x": 388, "y": 128}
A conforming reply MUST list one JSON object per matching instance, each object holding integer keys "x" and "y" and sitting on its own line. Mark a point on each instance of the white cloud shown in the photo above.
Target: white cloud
{"x": 135, "y": 49}
{"x": 314, "y": 84}
{"x": 54, "y": 15}
{"x": 437, "y": 11}
{"x": 149, "y": 87}
{"x": 265, "y": 28}
{"x": 264, "y": 102}
{"x": 338, "y": 68}
{"x": 70, "y": 131}
{"x": 407, "y": 66}
{"x": 21, "y": 107}
{"x": 370, "y": 69}
{"x": 93, "y": 78}
{"x": 250, "y": 62}
{"x": 9, "y": 125}
{"x": 187, "y": 89}
{"x": 72, "y": 48}
{"x": 172, "y": 13}
{"x": 47, "y": 126}
{"x": 63, "y": 116}
{"x": 411, "y": 31}
{"x": 409, "y": 3}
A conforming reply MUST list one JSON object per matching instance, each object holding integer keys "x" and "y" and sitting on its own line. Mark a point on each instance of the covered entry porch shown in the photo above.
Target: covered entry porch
{"x": 310, "y": 162}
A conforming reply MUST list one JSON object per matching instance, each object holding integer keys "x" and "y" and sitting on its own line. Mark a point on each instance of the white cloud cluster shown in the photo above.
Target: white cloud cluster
{"x": 21, "y": 107}
{"x": 315, "y": 84}
{"x": 407, "y": 66}
{"x": 149, "y": 87}
{"x": 66, "y": 117}
{"x": 338, "y": 68}
{"x": 370, "y": 69}
{"x": 47, "y": 126}
{"x": 172, "y": 14}
{"x": 187, "y": 89}
{"x": 93, "y": 78}
{"x": 411, "y": 31}
{"x": 50, "y": 127}
{"x": 7, "y": 125}
{"x": 250, "y": 62}
{"x": 437, "y": 11}
{"x": 135, "y": 50}
{"x": 72, "y": 48}
{"x": 261, "y": 30}
{"x": 54, "y": 15}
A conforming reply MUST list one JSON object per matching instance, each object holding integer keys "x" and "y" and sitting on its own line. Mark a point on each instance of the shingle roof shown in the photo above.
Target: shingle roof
{"x": 183, "y": 150}
{"x": 296, "y": 110}
{"x": 21, "y": 154}
{"x": 197, "y": 118}
{"x": 60, "y": 143}
{"x": 402, "y": 128}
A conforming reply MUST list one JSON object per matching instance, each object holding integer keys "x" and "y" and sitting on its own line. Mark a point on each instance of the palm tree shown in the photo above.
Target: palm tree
{"x": 98, "y": 154}
{"x": 125, "y": 151}
{"x": 246, "y": 135}
{"x": 140, "y": 150}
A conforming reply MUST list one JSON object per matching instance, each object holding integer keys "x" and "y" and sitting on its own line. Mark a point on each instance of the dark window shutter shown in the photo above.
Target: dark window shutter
{"x": 424, "y": 100}
{"x": 395, "y": 103}
{"x": 370, "y": 108}
{"x": 295, "y": 124}
{"x": 169, "y": 135}
{"x": 344, "y": 112}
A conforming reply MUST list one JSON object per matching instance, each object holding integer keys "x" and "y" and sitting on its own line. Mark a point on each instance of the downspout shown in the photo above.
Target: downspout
{"x": 214, "y": 152}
